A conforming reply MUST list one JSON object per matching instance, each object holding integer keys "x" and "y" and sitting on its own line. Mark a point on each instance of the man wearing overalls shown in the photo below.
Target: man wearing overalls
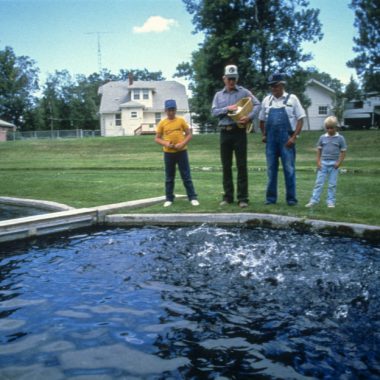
{"x": 232, "y": 138}
{"x": 281, "y": 121}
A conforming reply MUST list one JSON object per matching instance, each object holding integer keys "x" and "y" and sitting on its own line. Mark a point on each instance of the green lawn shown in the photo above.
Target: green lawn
{"x": 96, "y": 171}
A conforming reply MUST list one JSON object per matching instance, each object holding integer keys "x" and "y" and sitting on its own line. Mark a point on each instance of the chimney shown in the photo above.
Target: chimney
{"x": 130, "y": 79}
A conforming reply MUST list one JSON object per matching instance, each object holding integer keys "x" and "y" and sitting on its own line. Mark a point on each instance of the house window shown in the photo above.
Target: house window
{"x": 136, "y": 94}
{"x": 134, "y": 114}
{"x": 322, "y": 110}
{"x": 118, "y": 119}
{"x": 157, "y": 117}
{"x": 145, "y": 94}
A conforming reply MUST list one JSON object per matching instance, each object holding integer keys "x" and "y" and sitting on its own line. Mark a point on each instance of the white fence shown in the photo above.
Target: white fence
{"x": 53, "y": 134}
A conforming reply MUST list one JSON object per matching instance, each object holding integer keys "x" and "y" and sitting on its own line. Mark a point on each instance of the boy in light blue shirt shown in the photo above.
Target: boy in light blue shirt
{"x": 330, "y": 155}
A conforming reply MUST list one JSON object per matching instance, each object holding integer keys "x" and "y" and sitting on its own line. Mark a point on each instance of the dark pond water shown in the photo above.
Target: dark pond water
{"x": 190, "y": 303}
{"x": 11, "y": 211}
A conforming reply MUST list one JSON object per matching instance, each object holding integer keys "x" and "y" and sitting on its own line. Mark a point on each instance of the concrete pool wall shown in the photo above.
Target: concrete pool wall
{"x": 71, "y": 219}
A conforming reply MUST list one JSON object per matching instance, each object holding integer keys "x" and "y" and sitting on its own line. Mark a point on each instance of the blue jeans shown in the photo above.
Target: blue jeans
{"x": 327, "y": 170}
{"x": 182, "y": 160}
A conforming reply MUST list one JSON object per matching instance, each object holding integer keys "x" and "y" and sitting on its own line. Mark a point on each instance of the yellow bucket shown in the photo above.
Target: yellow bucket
{"x": 245, "y": 107}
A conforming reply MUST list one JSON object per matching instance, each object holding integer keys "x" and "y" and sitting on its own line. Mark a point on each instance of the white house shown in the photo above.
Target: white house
{"x": 322, "y": 103}
{"x": 4, "y": 128}
{"x": 135, "y": 107}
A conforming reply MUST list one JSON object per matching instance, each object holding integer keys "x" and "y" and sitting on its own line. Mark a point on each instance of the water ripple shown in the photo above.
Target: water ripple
{"x": 203, "y": 302}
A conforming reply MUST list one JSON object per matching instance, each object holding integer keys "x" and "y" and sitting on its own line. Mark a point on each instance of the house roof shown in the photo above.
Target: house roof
{"x": 318, "y": 83}
{"x": 6, "y": 124}
{"x": 117, "y": 94}
{"x": 131, "y": 104}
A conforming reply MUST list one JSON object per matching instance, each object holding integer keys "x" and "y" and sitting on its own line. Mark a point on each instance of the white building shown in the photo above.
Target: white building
{"x": 135, "y": 107}
{"x": 322, "y": 103}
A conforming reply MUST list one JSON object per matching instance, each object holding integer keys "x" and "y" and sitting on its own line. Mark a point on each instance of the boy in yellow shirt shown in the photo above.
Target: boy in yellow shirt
{"x": 173, "y": 133}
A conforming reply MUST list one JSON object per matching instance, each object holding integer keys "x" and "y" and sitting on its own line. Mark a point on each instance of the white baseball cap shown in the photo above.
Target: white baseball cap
{"x": 231, "y": 71}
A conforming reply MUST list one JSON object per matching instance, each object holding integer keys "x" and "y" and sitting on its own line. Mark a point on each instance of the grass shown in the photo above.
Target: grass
{"x": 96, "y": 171}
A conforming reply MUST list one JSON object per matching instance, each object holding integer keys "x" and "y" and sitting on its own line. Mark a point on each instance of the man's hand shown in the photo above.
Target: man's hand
{"x": 264, "y": 139}
{"x": 290, "y": 142}
{"x": 232, "y": 107}
{"x": 244, "y": 120}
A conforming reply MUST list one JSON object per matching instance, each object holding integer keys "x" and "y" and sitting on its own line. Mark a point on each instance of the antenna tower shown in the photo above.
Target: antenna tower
{"x": 99, "y": 52}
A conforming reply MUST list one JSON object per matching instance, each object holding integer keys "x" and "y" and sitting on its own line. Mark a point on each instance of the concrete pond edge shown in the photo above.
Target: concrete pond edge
{"x": 70, "y": 219}
{"x": 251, "y": 220}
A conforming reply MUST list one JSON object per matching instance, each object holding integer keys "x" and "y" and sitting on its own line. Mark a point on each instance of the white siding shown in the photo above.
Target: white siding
{"x": 129, "y": 123}
{"x": 319, "y": 98}
{"x": 108, "y": 127}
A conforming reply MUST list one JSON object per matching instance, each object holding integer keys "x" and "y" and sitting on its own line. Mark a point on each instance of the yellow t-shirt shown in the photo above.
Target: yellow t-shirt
{"x": 173, "y": 131}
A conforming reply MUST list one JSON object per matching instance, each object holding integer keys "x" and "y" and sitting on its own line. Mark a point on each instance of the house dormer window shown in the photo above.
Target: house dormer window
{"x": 136, "y": 94}
{"x": 145, "y": 94}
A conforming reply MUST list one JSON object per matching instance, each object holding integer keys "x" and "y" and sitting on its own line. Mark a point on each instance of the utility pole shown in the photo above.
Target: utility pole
{"x": 99, "y": 48}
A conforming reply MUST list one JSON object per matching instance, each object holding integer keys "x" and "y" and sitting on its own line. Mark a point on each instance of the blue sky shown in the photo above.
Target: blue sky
{"x": 137, "y": 34}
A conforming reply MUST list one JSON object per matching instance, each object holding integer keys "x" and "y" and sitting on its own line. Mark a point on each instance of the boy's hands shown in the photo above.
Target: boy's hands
{"x": 178, "y": 146}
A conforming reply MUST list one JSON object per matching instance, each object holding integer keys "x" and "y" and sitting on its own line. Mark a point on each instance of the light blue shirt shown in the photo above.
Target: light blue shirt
{"x": 224, "y": 98}
{"x": 331, "y": 146}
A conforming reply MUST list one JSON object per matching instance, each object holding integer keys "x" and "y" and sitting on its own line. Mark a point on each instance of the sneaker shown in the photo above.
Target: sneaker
{"x": 331, "y": 205}
{"x": 168, "y": 203}
{"x": 224, "y": 203}
{"x": 310, "y": 204}
{"x": 243, "y": 204}
{"x": 194, "y": 202}
{"x": 267, "y": 203}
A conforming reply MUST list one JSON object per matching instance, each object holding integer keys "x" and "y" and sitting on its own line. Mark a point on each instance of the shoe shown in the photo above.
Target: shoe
{"x": 331, "y": 205}
{"x": 243, "y": 204}
{"x": 224, "y": 203}
{"x": 292, "y": 203}
{"x": 194, "y": 202}
{"x": 267, "y": 203}
{"x": 310, "y": 204}
{"x": 168, "y": 203}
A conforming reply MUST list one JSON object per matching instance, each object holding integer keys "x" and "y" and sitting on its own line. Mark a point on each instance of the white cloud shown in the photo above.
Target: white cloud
{"x": 155, "y": 24}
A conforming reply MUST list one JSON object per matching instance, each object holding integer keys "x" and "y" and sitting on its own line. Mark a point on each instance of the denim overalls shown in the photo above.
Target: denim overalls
{"x": 278, "y": 131}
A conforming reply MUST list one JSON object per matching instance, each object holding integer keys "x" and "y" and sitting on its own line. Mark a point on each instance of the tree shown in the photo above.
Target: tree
{"x": 72, "y": 102}
{"x": 367, "y": 43}
{"x": 352, "y": 90}
{"x": 18, "y": 84}
{"x": 140, "y": 75}
{"x": 260, "y": 36}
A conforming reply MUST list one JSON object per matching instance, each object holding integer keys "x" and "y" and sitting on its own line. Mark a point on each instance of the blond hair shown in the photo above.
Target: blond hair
{"x": 331, "y": 121}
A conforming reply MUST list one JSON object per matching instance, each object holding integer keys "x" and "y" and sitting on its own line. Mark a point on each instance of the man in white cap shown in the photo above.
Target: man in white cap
{"x": 281, "y": 120}
{"x": 233, "y": 139}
